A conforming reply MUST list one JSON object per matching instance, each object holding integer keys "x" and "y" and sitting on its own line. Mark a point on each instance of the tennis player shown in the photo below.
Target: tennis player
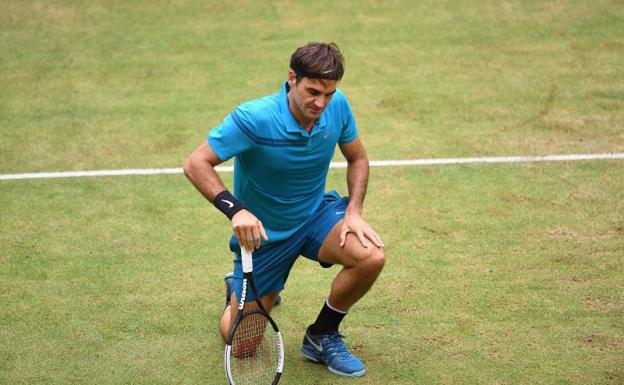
{"x": 282, "y": 145}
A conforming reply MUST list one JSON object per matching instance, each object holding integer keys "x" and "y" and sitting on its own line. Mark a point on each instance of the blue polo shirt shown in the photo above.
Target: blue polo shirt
{"x": 279, "y": 168}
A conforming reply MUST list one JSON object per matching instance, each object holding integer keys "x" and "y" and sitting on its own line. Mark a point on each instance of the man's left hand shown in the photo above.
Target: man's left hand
{"x": 354, "y": 223}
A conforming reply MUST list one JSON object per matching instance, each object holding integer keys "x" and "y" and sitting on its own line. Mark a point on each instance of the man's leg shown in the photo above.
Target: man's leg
{"x": 231, "y": 311}
{"x": 361, "y": 267}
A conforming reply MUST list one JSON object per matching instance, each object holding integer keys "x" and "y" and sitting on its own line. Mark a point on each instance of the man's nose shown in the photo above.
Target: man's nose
{"x": 319, "y": 102}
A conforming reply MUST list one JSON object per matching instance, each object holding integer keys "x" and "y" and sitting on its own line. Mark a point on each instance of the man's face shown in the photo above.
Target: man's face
{"x": 311, "y": 96}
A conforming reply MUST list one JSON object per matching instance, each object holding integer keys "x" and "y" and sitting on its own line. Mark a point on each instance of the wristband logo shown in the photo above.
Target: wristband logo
{"x": 230, "y": 204}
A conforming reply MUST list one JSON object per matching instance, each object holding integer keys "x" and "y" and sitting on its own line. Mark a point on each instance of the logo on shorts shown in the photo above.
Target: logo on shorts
{"x": 339, "y": 212}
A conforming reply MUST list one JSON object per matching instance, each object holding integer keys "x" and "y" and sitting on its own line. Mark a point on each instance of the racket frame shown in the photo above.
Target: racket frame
{"x": 248, "y": 282}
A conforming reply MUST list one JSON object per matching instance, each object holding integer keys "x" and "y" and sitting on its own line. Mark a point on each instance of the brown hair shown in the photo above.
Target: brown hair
{"x": 318, "y": 61}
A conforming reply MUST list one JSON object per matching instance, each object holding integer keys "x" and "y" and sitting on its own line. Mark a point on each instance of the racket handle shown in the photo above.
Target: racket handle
{"x": 247, "y": 260}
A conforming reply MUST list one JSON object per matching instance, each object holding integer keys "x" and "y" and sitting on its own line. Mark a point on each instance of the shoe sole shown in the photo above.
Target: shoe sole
{"x": 313, "y": 359}
{"x": 356, "y": 374}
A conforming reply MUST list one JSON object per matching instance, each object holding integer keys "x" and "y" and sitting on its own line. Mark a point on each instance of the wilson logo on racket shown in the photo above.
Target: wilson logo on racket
{"x": 241, "y": 305}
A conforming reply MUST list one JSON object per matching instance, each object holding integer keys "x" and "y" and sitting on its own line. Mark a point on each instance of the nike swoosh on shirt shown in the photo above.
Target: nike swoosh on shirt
{"x": 228, "y": 202}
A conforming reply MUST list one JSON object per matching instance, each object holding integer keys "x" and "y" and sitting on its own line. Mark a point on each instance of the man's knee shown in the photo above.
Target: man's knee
{"x": 372, "y": 260}
{"x": 378, "y": 258}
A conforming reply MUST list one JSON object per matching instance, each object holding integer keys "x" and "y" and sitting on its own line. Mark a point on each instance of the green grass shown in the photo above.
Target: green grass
{"x": 491, "y": 278}
{"x": 496, "y": 274}
{"x": 118, "y": 84}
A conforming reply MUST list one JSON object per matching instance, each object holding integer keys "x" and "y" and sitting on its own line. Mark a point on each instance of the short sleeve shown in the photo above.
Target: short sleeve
{"x": 233, "y": 135}
{"x": 349, "y": 130}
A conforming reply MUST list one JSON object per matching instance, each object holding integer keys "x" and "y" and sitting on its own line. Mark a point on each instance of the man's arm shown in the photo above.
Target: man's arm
{"x": 357, "y": 181}
{"x": 199, "y": 169}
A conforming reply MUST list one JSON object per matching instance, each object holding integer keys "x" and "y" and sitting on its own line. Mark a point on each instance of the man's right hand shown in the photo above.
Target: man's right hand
{"x": 248, "y": 230}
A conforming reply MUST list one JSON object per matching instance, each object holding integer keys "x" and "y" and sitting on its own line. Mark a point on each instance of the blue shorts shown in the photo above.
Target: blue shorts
{"x": 272, "y": 262}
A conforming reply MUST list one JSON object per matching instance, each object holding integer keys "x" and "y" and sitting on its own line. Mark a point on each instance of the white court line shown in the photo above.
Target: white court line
{"x": 373, "y": 163}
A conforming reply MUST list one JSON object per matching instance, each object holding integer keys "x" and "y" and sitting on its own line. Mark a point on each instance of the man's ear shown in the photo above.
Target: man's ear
{"x": 292, "y": 78}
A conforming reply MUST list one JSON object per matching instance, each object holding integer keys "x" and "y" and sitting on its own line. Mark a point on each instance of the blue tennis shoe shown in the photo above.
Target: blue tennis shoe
{"x": 331, "y": 350}
{"x": 228, "y": 287}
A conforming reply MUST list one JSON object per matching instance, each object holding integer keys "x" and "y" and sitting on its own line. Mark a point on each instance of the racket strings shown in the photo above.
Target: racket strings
{"x": 255, "y": 351}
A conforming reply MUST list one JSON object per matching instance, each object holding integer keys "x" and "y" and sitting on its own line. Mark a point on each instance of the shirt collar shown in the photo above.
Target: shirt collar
{"x": 289, "y": 120}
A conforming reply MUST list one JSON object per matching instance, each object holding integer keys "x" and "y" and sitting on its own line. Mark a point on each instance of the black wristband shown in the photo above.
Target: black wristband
{"x": 227, "y": 204}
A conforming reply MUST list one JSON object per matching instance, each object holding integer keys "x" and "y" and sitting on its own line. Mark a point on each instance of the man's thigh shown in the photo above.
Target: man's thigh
{"x": 321, "y": 225}
{"x": 271, "y": 266}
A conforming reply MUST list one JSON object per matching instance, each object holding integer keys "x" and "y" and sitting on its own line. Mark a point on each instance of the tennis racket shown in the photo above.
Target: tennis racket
{"x": 254, "y": 351}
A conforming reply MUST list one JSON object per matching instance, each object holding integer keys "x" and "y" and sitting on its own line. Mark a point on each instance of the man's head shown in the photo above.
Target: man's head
{"x": 315, "y": 70}
{"x": 318, "y": 61}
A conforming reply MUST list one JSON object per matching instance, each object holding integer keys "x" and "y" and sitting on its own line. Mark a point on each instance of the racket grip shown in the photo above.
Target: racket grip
{"x": 247, "y": 260}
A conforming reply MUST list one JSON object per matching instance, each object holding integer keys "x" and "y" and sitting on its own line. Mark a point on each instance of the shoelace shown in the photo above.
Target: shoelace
{"x": 335, "y": 346}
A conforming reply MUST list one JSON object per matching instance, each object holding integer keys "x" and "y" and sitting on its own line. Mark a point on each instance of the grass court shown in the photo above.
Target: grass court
{"x": 495, "y": 274}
